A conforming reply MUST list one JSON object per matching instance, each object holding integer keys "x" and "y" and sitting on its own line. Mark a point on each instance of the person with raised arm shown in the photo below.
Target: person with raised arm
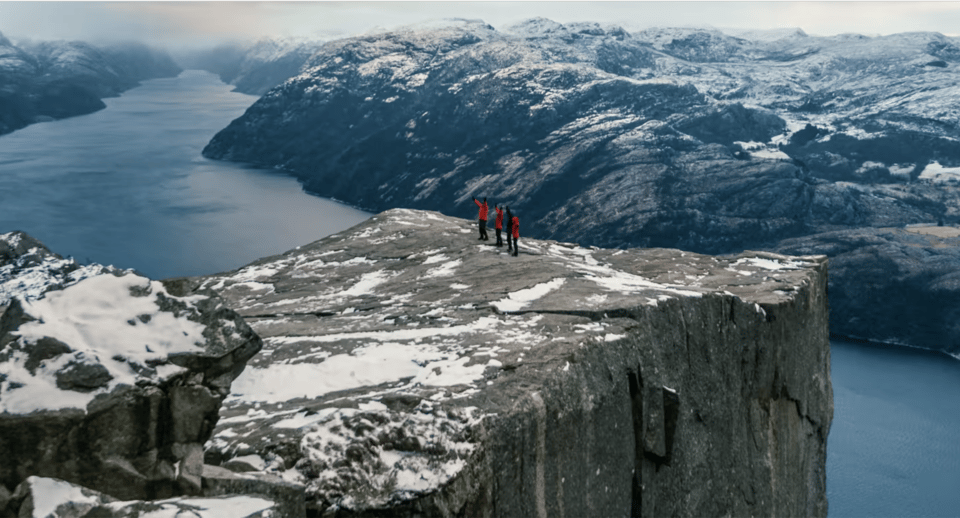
{"x": 483, "y": 218}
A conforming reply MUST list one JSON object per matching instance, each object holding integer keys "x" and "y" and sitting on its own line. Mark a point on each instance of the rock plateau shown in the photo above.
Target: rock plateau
{"x": 409, "y": 369}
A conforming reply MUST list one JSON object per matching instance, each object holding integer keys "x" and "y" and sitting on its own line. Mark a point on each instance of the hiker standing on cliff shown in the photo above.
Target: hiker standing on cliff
{"x": 515, "y": 228}
{"x": 499, "y": 225}
{"x": 483, "y": 218}
{"x": 509, "y": 230}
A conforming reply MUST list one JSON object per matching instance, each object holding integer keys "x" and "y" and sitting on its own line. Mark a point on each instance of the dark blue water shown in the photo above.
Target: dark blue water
{"x": 127, "y": 186}
{"x": 894, "y": 448}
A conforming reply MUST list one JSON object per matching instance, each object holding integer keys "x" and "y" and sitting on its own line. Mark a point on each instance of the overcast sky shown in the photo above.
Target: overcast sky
{"x": 202, "y": 23}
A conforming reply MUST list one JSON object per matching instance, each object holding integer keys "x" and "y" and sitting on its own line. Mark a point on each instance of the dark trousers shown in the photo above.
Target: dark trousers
{"x": 483, "y": 230}
{"x": 516, "y": 247}
{"x": 499, "y": 237}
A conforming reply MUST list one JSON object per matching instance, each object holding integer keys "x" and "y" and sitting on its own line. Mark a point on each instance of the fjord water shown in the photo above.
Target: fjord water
{"x": 894, "y": 447}
{"x": 127, "y": 186}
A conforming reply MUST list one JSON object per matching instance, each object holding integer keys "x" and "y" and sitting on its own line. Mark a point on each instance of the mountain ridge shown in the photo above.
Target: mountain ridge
{"x": 42, "y": 81}
{"x": 684, "y": 138}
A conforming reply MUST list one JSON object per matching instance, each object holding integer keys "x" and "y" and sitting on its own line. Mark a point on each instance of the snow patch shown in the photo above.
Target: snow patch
{"x": 102, "y": 323}
{"x": 50, "y": 493}
{"x": 768, "y": 264}
{"x": 373, "y": 364}
{"x": 367, "y": 283}
{"x": 939, "y": 174}
{"x": 519, "y": 299}
{"x": 444, "y": 270}
{"x": 760, "y": 150}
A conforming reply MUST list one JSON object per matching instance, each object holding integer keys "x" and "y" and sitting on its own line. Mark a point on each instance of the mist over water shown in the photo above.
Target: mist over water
{"x": 127, "y": 186}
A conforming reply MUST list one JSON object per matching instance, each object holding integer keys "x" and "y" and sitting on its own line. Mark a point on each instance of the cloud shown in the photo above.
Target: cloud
{"x": 205, "y": 23}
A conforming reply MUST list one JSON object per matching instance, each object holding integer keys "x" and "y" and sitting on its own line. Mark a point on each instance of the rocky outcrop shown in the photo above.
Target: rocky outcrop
{"x": 54, "y": 80}
{"x": 410, "y": 370}
{"x": 108, "y": 379}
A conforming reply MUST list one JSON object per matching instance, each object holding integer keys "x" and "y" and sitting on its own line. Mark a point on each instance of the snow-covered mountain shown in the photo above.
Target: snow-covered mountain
{"x": 666, "y": 137}
{"x": 52, "y": 80}
{"x": 689, "y": 138}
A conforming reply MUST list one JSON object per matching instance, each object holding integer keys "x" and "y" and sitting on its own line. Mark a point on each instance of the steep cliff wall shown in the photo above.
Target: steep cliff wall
{"x": 409, "y": 369}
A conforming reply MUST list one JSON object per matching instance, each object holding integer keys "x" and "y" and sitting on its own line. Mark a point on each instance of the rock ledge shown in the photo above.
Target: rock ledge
{"x": 408, "y": 368}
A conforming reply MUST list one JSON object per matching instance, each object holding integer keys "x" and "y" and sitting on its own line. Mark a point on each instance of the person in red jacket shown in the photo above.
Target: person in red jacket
{"x": 515, "y": 227}
{"x": 483, "y": 218}
{"x": 499, "y": 225}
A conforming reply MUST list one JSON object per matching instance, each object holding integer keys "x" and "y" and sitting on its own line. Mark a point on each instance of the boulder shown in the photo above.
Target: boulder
{"x": 108, "y": 379}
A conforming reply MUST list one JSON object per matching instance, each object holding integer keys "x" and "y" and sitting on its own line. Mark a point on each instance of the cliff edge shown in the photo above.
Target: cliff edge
{"x": 409, "y": 369}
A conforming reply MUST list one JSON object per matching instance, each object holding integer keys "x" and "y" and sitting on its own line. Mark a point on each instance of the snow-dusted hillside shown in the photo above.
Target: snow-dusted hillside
{"x": 52, "y": 80}
{"x": 670, "y": 137}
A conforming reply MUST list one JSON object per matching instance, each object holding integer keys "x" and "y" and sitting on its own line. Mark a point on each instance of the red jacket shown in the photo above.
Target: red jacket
{"x": 516, "y": 227}
{"x": 499, "y": 218}
{"x": 483, "y": 209}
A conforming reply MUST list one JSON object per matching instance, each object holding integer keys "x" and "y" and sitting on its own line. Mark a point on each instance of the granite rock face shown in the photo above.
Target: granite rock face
{"x": 108, "y": 379}
{"x": 409, "y": 369}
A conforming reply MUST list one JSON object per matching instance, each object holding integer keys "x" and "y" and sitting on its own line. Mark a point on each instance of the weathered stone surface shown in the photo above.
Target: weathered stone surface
{"x": 46, "y": 497}
{"x": 409, "y": 369}
{"x": 107, "y": 379}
